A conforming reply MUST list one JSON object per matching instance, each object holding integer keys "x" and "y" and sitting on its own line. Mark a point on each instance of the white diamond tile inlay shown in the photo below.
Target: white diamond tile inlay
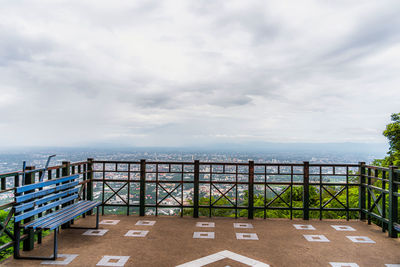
{"x": 67, "y": 259}
{"x": 316, "y": 238}
{"x": 96, "y": 232}
{"x": 343, "y": 264}
{"x": 304, "y": 226}
{"x": 136, "y": 233}
{"x": 113, "y": 261}
{"x": 149, "y": 223}
{"x": 110, "y": 222}
{"x": 343, "y": 228}
{"x": 246, "y": 236}
{"x": 360, "y": 239}
{"x": 205, "y": 224}
{"x": 226, "y": 254}
{"x": 242, "y": 225}
{"x": 210, "y": 235}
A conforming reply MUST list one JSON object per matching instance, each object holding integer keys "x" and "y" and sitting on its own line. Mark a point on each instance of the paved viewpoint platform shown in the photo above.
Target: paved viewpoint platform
{"x": 174, "y": 241}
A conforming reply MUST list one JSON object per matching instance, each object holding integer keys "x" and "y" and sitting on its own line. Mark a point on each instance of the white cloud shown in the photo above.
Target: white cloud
{"x": 193, "y": 72}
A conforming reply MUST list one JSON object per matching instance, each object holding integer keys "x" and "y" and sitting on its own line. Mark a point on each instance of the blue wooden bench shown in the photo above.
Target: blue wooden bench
{"x": 52, "y": 203}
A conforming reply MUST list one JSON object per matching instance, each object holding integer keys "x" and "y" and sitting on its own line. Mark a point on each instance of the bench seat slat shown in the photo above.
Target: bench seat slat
{"x": 44, "y": 192}
{"x": 64, "y": 219}
{"x": 77, "y": 213}
{"x": 43, "y": 200}
{"x": 64, "y": 212}
{"x": 64, "y": 216}
{"x": 50, "y": 215}
{"x": 44, "y": 208}
{"x": 29, "y": 187}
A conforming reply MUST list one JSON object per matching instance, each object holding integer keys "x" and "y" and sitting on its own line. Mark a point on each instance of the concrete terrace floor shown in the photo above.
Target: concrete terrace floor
{"x": 170, "y": 242}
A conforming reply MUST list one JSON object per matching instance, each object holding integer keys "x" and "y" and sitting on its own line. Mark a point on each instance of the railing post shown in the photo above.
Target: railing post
{"x": 393, "y": 204}
{"x": 65, "y": 171}
{"x": 16, "y": 180}
{"x": 361, "y": 192}
{"x": 29, "y": 242}
{"x": 196, "y": 179}
{"x": 89, "y": 185}
{"x": 3, "y": 183}
{"x": 142, "y": 187}
{"x": 306, "y": 192}
{"x": 17, "y": 229}
{"x": 369, "y": 198}
{"x": 250, "y": 213}
{"x": 40, "y": 233}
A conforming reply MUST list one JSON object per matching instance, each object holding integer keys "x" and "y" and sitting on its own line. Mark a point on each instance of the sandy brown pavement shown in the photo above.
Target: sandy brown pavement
{"x": 170, "y": 242}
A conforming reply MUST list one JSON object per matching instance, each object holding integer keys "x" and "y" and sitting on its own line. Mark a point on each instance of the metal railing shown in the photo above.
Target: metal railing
{"x": 379, "y": 197}
{"x": 250, "y": 189}
{"x": 186, "y": 186}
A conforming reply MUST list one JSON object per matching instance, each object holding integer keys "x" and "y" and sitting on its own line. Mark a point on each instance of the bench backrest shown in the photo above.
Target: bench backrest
{"x": 33, "y": 199}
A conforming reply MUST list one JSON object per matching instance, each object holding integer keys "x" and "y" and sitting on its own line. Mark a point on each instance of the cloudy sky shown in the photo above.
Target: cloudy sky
{"x": 182, "y": 73}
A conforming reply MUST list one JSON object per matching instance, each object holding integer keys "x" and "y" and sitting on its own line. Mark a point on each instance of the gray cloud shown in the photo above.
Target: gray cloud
{"x": 15, "y": 47}
{"x": 373, "y": 33}
{"x": 185, "y": 72}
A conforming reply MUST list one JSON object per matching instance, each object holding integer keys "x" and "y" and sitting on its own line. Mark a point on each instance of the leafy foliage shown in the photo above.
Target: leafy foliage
{"x": 297, "y": 202}
{"x": 392, "y": 133}
{"x": 4, "y": 239}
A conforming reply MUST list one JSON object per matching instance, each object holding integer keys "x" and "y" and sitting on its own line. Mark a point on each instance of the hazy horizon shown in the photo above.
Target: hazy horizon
{"x": 245, "y": 146}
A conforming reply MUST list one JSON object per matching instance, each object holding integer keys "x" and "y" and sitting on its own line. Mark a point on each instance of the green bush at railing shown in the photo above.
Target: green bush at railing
{"x": 4, "y": 239}
{"x": 392, "y": 133}
{"x": 297, "y": 201}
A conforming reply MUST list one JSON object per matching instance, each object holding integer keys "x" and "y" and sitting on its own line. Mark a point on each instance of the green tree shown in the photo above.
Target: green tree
{"x": 392, "y": 133}
{"x": 215, "y": 212}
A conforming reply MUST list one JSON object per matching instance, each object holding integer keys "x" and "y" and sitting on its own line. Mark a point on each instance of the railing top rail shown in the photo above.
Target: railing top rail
{"x": 116, "y": 161}
{"x": 78, "y": 163}
{"x": 170, "y": 162}
{"x": 224, "y": 163}
{"x": 333, "y": 165}
{"x": 278, "y": 164}
{"x": 376, "y": 167}
{"x": 9, "y": 174}
{"x": 54, "y": 167}
{"x": 227, "y": 163}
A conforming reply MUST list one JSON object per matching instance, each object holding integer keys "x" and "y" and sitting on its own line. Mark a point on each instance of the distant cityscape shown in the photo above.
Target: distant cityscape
{"x": 13, "y": 162}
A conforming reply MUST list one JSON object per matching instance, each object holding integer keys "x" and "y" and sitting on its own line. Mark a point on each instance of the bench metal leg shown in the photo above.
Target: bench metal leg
{"x": 17, "y": 254}
{"x": 55, "y": 244}
{"x": 17, "y": 236}
{"x": 97, "y": 222}
{"x": 97, "y": 217}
